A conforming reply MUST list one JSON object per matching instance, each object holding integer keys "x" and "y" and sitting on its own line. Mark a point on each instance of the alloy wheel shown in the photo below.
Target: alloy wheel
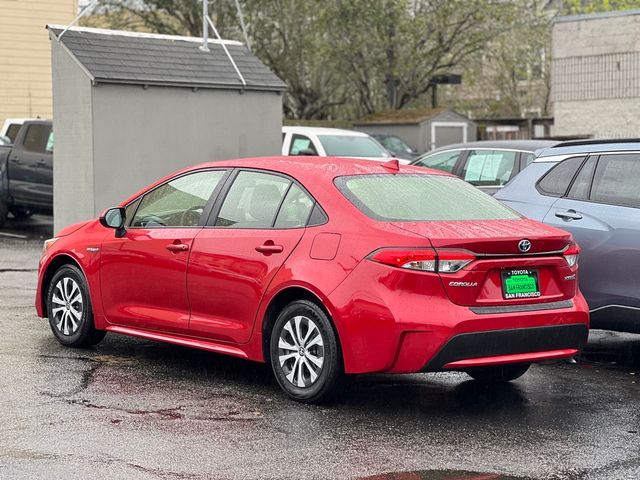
{"x": 68, "y": 306}
{"x": 301, "y": 351}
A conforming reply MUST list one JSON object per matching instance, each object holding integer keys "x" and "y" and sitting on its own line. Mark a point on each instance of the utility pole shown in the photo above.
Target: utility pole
{"x": 205, "y": 26}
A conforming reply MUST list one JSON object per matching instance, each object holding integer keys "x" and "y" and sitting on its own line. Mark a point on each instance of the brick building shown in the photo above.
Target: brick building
{"x": 25, "y": 54}
{"x": 596, "y": 75}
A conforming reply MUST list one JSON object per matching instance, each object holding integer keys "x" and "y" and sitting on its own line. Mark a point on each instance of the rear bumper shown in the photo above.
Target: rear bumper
{"x": 517, "y": 345}
{"x": 403, "y": 322}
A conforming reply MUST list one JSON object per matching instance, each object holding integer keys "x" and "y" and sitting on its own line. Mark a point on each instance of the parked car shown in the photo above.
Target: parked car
{"x": 398, "y": 147}
{"x": 11, "y": 126}
{"x": 331, "y": 142}
{"x": 26, "y": 171}
{"x": 488, "y": 165}
{"x": 591, "y": 189}
{"x": 320, "y": 267}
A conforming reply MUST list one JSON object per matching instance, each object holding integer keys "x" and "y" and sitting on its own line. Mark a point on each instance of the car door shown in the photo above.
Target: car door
{"x": 602, "y": 211}
{"x": 143, "y": 274}
{"x": 257, "y": 224}
{"x": 31, "y": 166}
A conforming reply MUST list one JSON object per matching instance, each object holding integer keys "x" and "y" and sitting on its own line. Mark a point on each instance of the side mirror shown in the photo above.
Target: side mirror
{"x": 114, "y": 218}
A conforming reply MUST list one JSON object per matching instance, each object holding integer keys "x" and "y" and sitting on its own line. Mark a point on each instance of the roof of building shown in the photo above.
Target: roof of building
{"x": 595, "y": 16}
{"x": 112, "y": 56}
{"x": 408, "y": 116}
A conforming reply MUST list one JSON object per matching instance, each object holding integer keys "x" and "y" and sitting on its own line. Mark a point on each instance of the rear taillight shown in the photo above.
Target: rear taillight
{"x": 424, "y": 259}
{"x": 571, "y": 254}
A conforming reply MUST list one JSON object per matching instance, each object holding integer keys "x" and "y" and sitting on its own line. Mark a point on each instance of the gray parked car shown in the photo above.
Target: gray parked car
{"x": 591, "y": 189}
{"x": 487, "y": 164}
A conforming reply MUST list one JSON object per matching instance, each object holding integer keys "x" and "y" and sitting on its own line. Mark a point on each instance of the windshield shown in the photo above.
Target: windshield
{"x": 415, "y": 197}
{"x": 351, "y": 146}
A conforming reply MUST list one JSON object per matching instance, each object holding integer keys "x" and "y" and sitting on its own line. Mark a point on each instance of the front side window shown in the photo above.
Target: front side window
{"x": 300, "y": 143}
{"x": 351, "y": 146}
{"x": 253, "y": 200}
{"x": 556, "y": 182}
{"x": 445, "y": 161}
{"x": 489, "y": 167}
{"x": 414, "y": 197}
{"x": 179, "y": 202}
{"x": 37, "y": 138}
{"x": 617, "y": 180}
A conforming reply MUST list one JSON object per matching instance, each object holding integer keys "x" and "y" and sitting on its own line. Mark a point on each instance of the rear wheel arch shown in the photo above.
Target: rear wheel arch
{"x": 279, "y": 302}
{"x": 56, "y": 263}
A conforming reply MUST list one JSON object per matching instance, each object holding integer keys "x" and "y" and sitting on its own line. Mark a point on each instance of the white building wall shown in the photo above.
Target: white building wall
{"x": 596, "y": 75}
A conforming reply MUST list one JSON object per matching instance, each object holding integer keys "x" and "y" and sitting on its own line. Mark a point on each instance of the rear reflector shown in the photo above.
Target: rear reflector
{"x": 423, "y": 259}
{"x": 571, "y": 254}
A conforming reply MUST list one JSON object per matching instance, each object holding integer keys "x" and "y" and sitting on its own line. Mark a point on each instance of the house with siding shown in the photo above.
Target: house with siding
{"x": 25, "y": 55}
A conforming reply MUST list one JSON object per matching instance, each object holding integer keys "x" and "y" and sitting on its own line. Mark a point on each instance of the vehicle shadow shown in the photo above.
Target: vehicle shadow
{"x": 37, "y": 227}
{"x": 612, "y": 350}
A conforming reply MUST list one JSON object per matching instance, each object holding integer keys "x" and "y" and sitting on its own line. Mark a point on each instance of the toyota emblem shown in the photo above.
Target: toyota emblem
{"x": 524, "y": 245}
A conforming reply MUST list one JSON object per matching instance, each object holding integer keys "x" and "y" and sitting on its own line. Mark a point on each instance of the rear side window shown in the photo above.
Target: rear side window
{"x": 295, "y": 209}
{"x": 253, "y": 201}
{"x": 582, "y": 183}
{"x": 38, "y": 138}
{"x": 489, "y": 167}
{"x": 12, "y": 131}
{"x": 445, "y": 161}
{"x": 414, "y": 197}
{"x": 556, "y": 182}
{"x": 617, "y": 180}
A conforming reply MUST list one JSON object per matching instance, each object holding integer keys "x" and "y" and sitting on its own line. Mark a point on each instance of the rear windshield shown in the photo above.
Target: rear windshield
{"x": 416, "y": 197}
{"x": 351, "y": 146}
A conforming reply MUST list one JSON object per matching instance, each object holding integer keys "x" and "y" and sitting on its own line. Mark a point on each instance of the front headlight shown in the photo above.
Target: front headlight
{"x": 48, "y": 244}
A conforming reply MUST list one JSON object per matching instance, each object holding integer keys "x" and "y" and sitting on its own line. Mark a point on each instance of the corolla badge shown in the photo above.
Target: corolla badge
{"x": 524, "y": 245}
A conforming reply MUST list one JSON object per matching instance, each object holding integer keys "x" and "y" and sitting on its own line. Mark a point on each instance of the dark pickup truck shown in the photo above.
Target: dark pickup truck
{"x": 26, "y": 171}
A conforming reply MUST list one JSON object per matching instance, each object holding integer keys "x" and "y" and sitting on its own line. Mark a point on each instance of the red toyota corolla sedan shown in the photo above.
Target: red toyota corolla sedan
{"x": 321, "y": 267}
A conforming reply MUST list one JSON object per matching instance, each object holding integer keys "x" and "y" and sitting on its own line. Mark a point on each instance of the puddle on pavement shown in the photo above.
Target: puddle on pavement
{"x": 442, "y": 475}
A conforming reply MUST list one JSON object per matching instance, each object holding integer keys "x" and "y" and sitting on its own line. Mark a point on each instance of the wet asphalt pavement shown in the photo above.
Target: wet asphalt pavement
{"x": 135, "y": 409}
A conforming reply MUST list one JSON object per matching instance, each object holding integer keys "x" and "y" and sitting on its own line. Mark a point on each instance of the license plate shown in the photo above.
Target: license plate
{"x": 521, "y": 283}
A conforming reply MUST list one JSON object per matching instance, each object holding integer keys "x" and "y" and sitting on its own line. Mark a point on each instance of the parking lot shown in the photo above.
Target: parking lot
{"x": 131, "y": 408}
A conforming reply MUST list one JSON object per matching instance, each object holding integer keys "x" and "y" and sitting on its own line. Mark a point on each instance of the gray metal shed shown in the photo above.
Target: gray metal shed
{"x": 129, "y": 108}
{"x": 423, "y": 129}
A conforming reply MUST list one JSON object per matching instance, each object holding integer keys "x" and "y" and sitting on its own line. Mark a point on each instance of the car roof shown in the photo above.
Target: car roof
{"x": 322, "y": 131}
{"x": 520, "y": 145}
{"x": 587, "y": 146}
{"x": 306, "y": 169}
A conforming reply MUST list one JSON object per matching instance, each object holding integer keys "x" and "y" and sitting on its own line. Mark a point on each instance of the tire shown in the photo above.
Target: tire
{"x": 310, "y": 374}
{"x": 20, "y": 213}
{"x": 499, "y": 374}
{"x": 4, "y": 212}
{"x": 69, "y": 309}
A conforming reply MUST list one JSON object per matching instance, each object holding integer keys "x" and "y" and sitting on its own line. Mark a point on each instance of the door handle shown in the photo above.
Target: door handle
{"x": 15, "y": 160}
{"x": 177, "y": 247}
{"x": 269, "y": 247}
{"x": 569, "y": 215}
{"x": 41, "y": 163}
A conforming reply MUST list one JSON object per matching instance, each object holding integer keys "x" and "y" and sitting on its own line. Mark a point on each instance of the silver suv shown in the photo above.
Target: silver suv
{"x": 591, "y": 189}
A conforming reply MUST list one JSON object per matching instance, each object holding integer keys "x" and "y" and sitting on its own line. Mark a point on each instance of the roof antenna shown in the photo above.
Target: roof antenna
{"x": 86, "y": 10}
{"x": 244, "y": 28}
{"x": 205, "y": 27}
{"x": 226, "y": 50}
